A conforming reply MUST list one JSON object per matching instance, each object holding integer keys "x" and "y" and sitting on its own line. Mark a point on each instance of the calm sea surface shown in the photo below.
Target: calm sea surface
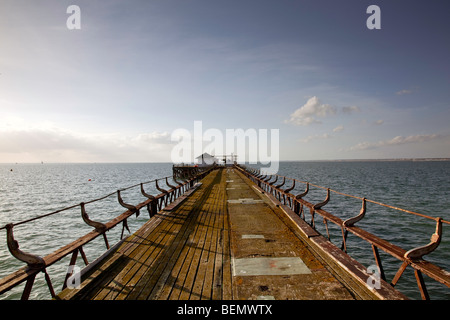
{"x": 29, "y": 190}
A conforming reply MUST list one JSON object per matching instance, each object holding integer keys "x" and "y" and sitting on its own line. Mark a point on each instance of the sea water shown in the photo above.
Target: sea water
{"x": 30, "y": 190}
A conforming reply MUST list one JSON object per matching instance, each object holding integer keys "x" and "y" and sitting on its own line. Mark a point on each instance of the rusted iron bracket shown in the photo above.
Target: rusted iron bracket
{"x": 160, "y": 189}
{"x": 176, "y": 181}
{"x": 181, "y": 186}
{"x": 100, "y": 227}
{"x": 318, "y": 206}
{"x": 298, "y": 207}
{"x": 351, "y": 221}
{"x": 128, "y": 206}
{"x": 97, "y": 225}
{"x": 152, "y": 206}
{"x": 301, "y": 195}
{"x": 272, "y": 182}
{"x": 166, "y": 193}
{"x": 418, "y": 253}
{"x": 172, "y": 192}
{"x": 33, "y": 261}
{"x": 291, "y": 188}
{"x": 169, "y": 185}
{"x": 281, "y": 184}
{"x": 124, "y": 226}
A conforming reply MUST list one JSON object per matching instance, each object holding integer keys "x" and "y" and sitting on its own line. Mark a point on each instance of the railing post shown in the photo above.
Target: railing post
{"x": 418, "y": 253}
{"x": 349, "y": 223}
{"x": 33, "y": 261}
{"x": 152, "y": 206}
{"x": 298, "y": 207}
{"x": 128, "y": 206}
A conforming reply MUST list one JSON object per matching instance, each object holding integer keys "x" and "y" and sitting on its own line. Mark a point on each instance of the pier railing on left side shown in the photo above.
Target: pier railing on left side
{"x": 35, "y": 264}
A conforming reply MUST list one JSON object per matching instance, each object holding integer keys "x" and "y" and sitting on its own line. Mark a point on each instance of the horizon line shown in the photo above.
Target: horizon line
{"x": 315, "y": 160}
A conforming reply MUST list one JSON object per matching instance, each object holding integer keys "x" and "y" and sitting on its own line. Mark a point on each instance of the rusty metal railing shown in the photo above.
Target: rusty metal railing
{"x": 36, "y": 264}
{"x": 412, "y": 257}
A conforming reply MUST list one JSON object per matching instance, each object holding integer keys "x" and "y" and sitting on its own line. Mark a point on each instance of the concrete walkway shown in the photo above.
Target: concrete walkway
{"x": 268, "y": 260}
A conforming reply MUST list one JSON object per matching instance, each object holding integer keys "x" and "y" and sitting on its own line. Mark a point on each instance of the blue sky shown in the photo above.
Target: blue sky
{"x": 117, "y": 88}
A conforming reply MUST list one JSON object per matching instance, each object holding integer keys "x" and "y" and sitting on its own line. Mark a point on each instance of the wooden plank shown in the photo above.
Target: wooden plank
{"x": 204, "y": 278}
{"x": 227, "y": 283}
{"x": 213, "y": 254}
{"x": 169, "y": 233}
{"x": 217, "y": 282}
{"x": 169, "y": 279}
{"x": 128, "y": 277}
{"x": 187, "y": 275}
{"x": 213, "y": 279}
{"x": 177, "y": 252}
{"x": 150, "y": 277}
{"x": 195, "y": 277}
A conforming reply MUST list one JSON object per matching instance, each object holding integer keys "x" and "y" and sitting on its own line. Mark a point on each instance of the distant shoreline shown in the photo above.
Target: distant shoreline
{"x": 329, "y": 160}
{"x": 373, "y": 160}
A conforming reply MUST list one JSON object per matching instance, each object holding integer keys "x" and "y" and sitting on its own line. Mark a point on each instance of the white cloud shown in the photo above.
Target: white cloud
{"x": 316, "y": 137}
{"x": 338, "y": 128}
{"x": 399, "y": 140}
{"x": 308, "y": 113}
{"x": 56, "y": 145}
{"x": 379, "y": 122}
{"x": 404, "y": 91}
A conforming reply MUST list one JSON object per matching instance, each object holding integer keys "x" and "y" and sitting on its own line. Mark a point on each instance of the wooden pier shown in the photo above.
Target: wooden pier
{"x": 226, "y": 239}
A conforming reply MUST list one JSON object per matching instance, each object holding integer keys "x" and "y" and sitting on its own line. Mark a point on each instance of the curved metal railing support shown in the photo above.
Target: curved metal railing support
{"x": 418, "y": 253}
{"x": 291, "y": 188}
{"x": 318, "y": 206}
{"x": 298, "y": 206}
{"x": 33, "y": 261}
{"x": 350, "y": 222}
{"x": 152, "y": 206}
{"x": 165, "y": 192}
{"x": 286, "y": 194}
{"x": 100, "y": 227}
{"x": 126, "y": 205}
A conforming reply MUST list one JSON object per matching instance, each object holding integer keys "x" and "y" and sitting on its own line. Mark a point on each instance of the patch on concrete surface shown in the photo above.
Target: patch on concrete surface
{"x": 252, "y": 236}
{"x": 269, "y": 266}
{"x": 266, "y": 298}
{"x": 245, "y": 201}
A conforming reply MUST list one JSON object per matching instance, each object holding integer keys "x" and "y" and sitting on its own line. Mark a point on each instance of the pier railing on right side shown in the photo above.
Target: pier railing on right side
{"x": 273, "y": 184}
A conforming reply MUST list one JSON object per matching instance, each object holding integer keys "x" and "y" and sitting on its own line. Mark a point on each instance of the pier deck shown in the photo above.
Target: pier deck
{"x": 227, "y": 240}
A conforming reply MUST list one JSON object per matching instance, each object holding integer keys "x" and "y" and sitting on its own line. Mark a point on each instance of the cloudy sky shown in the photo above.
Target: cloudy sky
{"x": 135, "y": 71}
